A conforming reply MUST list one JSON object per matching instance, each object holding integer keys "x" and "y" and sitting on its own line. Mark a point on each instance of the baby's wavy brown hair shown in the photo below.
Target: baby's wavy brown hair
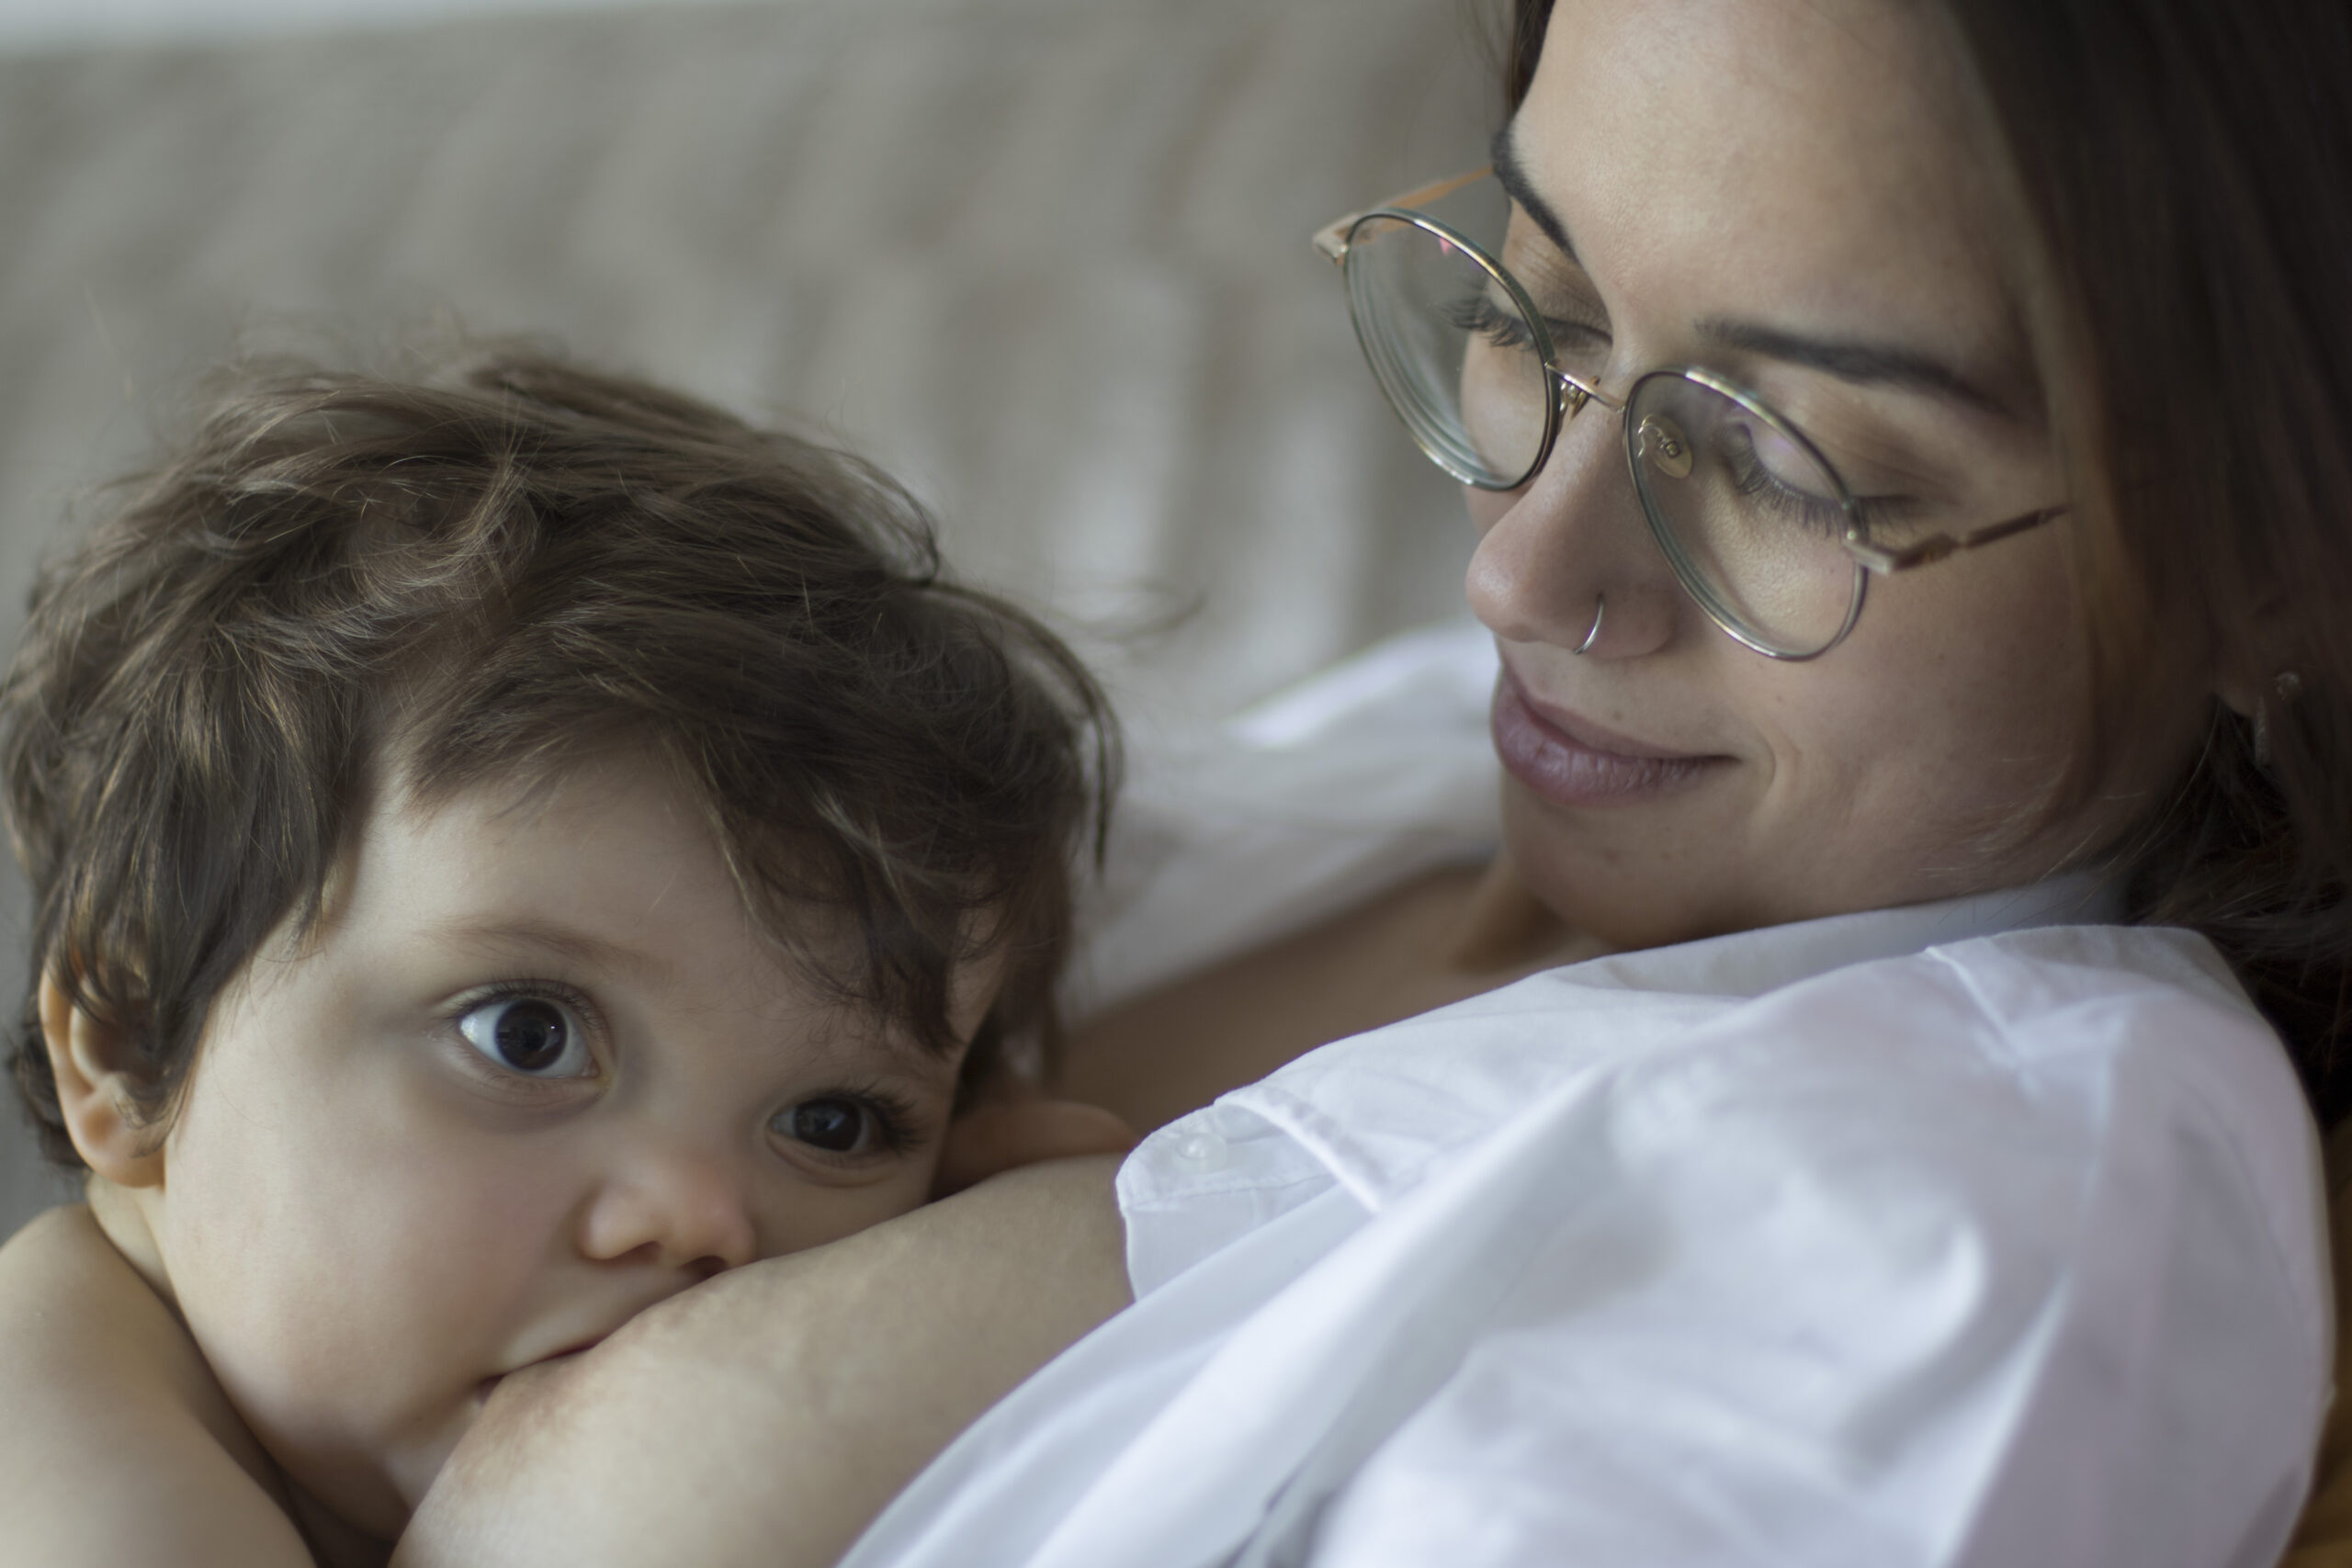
{"x": 487, "y": 568}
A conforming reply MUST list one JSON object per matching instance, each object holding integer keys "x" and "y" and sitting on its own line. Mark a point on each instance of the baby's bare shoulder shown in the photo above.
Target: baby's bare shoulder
{"x": 119, "y": 1446}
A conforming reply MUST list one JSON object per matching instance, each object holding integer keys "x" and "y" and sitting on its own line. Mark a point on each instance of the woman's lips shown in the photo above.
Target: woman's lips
{"x": 1578, "y": 766}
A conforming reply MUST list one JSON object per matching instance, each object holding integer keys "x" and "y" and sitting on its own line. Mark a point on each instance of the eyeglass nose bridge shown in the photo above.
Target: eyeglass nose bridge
{"x": 1573, "y": 393}
{"x": 1657, "y": 438}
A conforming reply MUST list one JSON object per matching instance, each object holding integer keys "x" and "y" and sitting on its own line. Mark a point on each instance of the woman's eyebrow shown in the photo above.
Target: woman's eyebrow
{"x": 1863, "y": 363}
{"x": 1511, "y": 174}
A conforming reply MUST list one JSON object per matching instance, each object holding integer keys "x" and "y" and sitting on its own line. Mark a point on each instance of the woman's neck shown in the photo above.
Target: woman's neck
{"x": 1433, "y": 941}
{"x": 1502, "y": 929}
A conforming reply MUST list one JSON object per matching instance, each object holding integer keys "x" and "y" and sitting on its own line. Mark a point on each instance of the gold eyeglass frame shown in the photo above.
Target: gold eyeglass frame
{"x": 1336, "y": 242}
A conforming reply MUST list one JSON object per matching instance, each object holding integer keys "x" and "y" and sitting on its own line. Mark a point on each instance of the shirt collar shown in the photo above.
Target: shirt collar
{"x": 1376, "y": 1111}
{"x": 1751, "y": 962}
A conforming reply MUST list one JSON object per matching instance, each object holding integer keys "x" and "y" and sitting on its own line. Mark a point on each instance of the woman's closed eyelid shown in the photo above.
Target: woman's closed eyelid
{"x": 1564, "y": 329}
{"x": 1570, "y": 314}
{"x": 1531, "y": 257}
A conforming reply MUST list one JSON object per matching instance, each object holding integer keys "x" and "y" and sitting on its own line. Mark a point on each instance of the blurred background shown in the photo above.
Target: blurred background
{"x": 1046, "y": 259}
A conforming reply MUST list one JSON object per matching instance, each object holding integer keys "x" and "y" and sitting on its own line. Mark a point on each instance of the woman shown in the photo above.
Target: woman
{"x": 1908, "y": 448}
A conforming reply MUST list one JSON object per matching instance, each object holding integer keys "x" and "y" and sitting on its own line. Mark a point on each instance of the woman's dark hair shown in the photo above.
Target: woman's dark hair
{"x": 485, "y": 573}
{"x": 2189, "y": 166}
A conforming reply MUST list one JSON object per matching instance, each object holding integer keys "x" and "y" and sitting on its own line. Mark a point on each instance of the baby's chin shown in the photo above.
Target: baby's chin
{"x": 356, "y": 1497}
{"x": 345, "y": 1517}
{"x": 413, "y": 1471}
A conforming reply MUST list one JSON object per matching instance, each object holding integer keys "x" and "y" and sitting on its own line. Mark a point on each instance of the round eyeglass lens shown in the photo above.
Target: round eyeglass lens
{"x": 1751, "y": 518}
{"x": 1451, "y": 348}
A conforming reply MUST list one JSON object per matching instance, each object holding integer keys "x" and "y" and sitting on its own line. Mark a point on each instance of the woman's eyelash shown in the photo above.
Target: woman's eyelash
{"x": 1477, "y": 314}
{"x": 1505, "y": 329}
{"x": 1752, "y": 478}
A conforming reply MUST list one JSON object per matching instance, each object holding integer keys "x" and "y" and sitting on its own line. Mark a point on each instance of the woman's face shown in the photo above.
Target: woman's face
{"x": 1799, "y": 195}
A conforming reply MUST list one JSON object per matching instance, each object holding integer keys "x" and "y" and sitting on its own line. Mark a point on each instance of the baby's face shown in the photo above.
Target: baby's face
{"x": 537, "y": 1071}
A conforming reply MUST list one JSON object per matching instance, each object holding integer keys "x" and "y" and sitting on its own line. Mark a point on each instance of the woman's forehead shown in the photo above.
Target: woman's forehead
{"x": 1805, "y": 165}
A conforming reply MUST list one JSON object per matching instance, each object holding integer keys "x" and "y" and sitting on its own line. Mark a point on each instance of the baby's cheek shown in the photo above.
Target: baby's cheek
{"x": 814, "y": 1216}
{"x": 989, "y": 1140}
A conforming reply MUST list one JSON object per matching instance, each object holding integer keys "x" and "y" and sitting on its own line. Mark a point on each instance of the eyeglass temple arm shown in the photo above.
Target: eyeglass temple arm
{"x": 1883, "y": 560}
{"x": 1332, "y": 238}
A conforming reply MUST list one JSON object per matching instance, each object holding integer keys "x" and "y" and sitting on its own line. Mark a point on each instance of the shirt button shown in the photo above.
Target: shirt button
{"x": 1205, "y": 1151}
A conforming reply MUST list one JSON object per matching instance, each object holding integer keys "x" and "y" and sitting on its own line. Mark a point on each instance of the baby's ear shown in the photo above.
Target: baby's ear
{"x": 990, "y": 1139}
{"x": 95, "y": 1075}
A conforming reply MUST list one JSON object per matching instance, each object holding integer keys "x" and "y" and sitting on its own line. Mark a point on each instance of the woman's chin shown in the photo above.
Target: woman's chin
{"x": 1632, "y": 878}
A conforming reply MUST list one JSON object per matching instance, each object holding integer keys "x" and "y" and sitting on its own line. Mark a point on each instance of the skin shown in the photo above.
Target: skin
{"x": 742, "y": 1423}
{"x": 1711, "y": 201}
{"x": 1727, "y": 174}
{"x": 363, "y": 1218}
{"x": 1800, "y": 167}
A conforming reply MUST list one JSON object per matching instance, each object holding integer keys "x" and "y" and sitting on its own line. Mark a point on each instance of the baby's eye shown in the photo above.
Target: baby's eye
{"x": 535, "y": 1036}
{"x": 839, "y": 1125}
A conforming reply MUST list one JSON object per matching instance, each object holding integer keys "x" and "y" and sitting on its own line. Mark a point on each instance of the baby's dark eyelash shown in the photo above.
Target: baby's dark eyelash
{"x": 510, "y": 991}
{"x": 571, "y": 999}
{"x": 891, "y": 1116}
{"x": 894, "y": 1118}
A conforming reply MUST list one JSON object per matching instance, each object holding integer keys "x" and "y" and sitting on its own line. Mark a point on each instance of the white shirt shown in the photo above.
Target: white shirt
{"x": 1357, "y": 780}
{"x": 1947, "y": 1235}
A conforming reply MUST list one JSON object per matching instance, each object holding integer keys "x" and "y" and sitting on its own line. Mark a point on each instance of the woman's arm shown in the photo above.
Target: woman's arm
{"x": 767, "y": 1417}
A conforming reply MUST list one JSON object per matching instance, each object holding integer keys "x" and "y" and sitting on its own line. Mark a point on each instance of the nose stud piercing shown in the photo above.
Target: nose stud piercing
{"x": 1600, "y": 608}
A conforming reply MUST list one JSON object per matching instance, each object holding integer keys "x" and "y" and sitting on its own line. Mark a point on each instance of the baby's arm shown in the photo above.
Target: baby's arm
{"x": 767, "y": 1417}
{"x": 117, "y": 1446}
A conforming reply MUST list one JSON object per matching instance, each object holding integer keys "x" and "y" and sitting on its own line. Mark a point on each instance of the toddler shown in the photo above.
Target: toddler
{"x": 507, "y": 844}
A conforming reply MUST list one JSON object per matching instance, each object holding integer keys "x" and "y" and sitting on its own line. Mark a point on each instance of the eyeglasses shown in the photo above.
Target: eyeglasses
{"x": 1760, "y": 529}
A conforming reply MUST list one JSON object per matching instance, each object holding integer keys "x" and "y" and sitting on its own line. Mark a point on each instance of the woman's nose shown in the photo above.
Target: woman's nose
{"x": 1567, "y": 561}
{"x": 674, "y": 1207}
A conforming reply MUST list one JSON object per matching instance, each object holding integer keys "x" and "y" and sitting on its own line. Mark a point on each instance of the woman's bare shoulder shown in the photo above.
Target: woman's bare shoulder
{"x": 1449, "y": 934}
{"x": 120, "y": 1446}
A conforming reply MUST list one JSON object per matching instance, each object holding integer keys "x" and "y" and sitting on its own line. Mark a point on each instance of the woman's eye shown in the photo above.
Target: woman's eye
{"x": 835, "y": 1123}
{"x": 1580, "y": 345}
{"x": 1774, "y": 475}
{"x": 1479, "y": 316}
{"x": 535, "y": 1036}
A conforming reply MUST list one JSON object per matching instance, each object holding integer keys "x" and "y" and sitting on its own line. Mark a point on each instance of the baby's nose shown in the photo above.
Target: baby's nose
{"x": 680, "y": 1208}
